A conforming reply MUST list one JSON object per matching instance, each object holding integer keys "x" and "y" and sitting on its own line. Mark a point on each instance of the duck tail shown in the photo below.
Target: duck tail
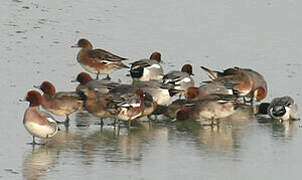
{"x": 212, "y": 74}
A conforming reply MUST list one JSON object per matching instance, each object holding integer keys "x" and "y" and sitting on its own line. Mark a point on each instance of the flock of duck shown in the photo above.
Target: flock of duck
{"x": 149, "y": 94}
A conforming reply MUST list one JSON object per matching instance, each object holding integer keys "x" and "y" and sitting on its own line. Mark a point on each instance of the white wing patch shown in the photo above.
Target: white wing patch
{"x": 49, "y": 119}
{"x": 132, "y": 105}
{"x": 187, "y": 79}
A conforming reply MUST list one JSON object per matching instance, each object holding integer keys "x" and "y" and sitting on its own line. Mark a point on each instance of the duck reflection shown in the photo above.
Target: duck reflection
{"x": 126, "y": 147}
{"x": 39, "y": 161}
{"x": 225, "y": 138}
{"x": 279, "y": 129}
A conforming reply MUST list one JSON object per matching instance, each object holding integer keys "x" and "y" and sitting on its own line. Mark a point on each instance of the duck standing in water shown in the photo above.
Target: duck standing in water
{"x": 247, "y": 82}
{"x": 60, "y": 103}
{"x": 128, "y": 106}
{"x": 98, "y": 61}
{"x": 102, "y": 86}
{"x": 179, "y": 80}
{"x": 281, "y": 108}
{"x": 212, "y": 107}
{"x": 147, "y": 69}
{"x": 38, "y": 123}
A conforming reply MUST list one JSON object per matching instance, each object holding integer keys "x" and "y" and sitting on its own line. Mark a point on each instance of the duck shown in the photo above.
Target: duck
{"x": 38, "y": 123}
{"x": 102, "y": 86}
{"x": 259, "y": 88}
{"x": 280, "y": 108}
{"x": 213, "y": 107}
{"x": 211, "y": 87}
{"x": 179, "y": 80}
{"x": 96, "y": 103}
{"x": 127, "y": 106}
{"x": 249, "y": 82}
{"x": 150, "y": 94}
{"x": 98, "y": 61}
{"x": 161, "y": 95}
{"x": 60, "y": 103}
{"x": 147, "y": 69}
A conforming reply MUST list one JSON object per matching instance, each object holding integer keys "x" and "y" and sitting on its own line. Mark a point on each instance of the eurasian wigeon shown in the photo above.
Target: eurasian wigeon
{"x": 96, "y": 103}
{"x": 147, "y": 69}
{"x": 98, "y": 61}
{"x": 161, "y": 95}
{"x": 249, "y": 82}
{"x": 281, "y": 108}
{"x": 213, "y": 108}
{"x": 38, "y": 123}
{"x": 150, "y": 103}
{"x": 60, "y": 103}
{"x": 127, "y": 107}
{"x": 212, "y": 87}
{"x": 180, "y": 80}
{"x": 259, "y": 88}
{"x": 102, "y": 86}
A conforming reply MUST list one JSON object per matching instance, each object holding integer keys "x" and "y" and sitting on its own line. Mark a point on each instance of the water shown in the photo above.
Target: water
{"x": 35, "y": 46}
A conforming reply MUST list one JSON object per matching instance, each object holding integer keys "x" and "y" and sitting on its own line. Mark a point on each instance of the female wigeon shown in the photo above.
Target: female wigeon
{"x": 249, "y": 82}
{"x": 212, "y": 87}
{"x": 147, "y": 69}
{"x": 98, "y": 61}
{"x": 281, "y": 108}
{"x": 102, "y": 86}
{"x": 180, "y": 80}
{"x": 38, "y": 123}
{"x": 127, "y": 107}
{"x": 96, "y": 103}
{"x": 60, "y": 103}
{"x": 212, "y": 107}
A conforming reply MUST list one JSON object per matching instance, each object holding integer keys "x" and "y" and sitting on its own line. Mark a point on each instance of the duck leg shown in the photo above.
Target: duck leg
{"x": 35, "y": 143}
{"x": 97, "y": 76}
{"x": 118, "y": 127}
{"x": 107, "y": 77}
{"x": 129, "y": 124}
{"x": 101, "y": 122}
{"x": 66, "y": 122}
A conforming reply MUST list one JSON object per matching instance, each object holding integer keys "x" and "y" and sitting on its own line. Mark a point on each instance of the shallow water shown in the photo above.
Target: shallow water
{"x": 35, "y": 46}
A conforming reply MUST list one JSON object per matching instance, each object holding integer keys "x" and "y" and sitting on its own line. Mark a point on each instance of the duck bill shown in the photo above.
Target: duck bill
{"x": 73, "y": 81}
{"x": 22, "y": 100}
{"x": 75, "y": 46}
{"x": 37, "y": 87}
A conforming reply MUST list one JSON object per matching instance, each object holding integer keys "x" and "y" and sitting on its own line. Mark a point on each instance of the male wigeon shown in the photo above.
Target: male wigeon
{"x": 212, "y": 87}
{"x": 249, "y": 83}
{"x": 102, "y": 86}
{"x": 60, "y": 103}
{"x": 38, "y": 123}
{"x": 281, "y": 108}
{"x": 147, "y": 69}
{"x": 180, "y": 80}
{"x": 259, "y": 88}
{"x": 150, "y": 103}
{"x": 161, "y": 95}
{"x": 98, "y": 61}
{"x": 213, "y": 107}
{"x": 127, "y": 107}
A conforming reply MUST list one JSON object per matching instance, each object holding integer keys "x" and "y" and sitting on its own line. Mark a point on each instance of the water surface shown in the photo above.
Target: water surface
{"x": 265, "y": 35}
